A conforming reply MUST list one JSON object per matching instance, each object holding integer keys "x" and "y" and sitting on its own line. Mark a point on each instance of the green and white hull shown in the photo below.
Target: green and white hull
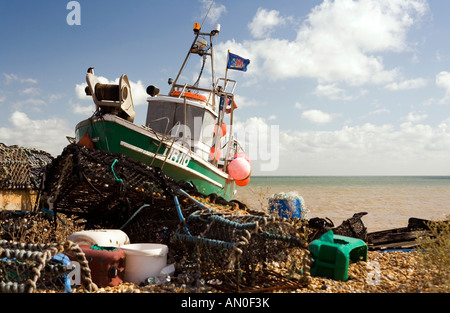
{"x": 114, "y": 134}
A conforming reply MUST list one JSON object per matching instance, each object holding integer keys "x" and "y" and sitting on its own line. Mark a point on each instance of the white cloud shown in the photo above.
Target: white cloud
{"x": 339, "y": 42}
{"x": 260, "y": 141}
{"x": 29, "y": 80}
{"x": 48, "y": 135}
{"x": 83, "y": 110}
{"x": 317, "y": 116}
{"x": 215, "y": 12}
{"x": 443, "y": 81}
{"x": 379, "y": 111}
{"x": 80, "y": 91}
{"x": 332, "y": 91}
{"x": 264, "y": 21}
{"x": 367, "y": 149}
{"x": 9, "y": 78}
{"x": 31, "y": 91}
{"x": 33, "y": 104}
{"x": 407, "y": 84}
{"x": 54, "y": 97}
{"x": 243, "y": 102}
{"x": 410, "y": 149}
{"x": 414, "y": 117}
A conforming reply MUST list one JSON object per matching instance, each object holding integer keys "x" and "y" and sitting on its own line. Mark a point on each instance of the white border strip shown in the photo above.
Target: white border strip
{"x": 161, "y": 158}
{"x": 142, "y": 131}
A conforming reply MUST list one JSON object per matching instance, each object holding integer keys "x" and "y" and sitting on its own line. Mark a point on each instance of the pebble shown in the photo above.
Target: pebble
{"x": 384, "y": 272}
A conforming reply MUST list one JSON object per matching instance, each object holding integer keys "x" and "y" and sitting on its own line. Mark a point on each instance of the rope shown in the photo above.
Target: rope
{"x": 205, "y": 241}
{"x": 12, "y": 253}
{"x": 32, "y": 260}
{"x": 89, "y": 285}
{"x": 112, "y": 169}
{"x": 288, "y": 239}
{"x": 134, "y": 214}
{"x": 220, "y": 219}
{"x": 180, "y": 215}
{"x": 195, "y": 201}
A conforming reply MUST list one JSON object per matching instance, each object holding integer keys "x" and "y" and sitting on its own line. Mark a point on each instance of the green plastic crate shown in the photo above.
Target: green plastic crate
{"x": 332, "y": 255}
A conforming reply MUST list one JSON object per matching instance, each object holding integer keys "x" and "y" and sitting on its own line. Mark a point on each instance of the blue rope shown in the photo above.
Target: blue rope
{"x": 180, "y": 215}
{"x": 198, "y": 203}
{"x": 204, "y": 241}
{"x": 135, "y": 213}
{"x": 225, "y": 221}
{"x": 112, "y": 169}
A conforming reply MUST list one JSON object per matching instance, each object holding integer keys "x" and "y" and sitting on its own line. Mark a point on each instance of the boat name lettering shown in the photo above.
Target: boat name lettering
{"x": 177, "y": 156}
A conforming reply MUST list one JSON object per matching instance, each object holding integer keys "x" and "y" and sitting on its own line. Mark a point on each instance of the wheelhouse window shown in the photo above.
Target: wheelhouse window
{"x": 168, "y": 118}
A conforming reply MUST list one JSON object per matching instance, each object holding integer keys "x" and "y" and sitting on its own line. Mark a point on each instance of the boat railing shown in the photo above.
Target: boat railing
{"x": 164, "y": 139}
{"x": 226, "y": 83}
{"x": 190, "y": 87}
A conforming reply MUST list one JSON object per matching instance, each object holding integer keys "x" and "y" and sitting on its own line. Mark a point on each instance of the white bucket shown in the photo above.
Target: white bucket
{"x": 100, "y": 237}
{"x": 144, "y": 260}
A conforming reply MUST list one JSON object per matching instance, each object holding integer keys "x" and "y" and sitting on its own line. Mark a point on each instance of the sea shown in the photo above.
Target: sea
{"x": 389, "y": 201}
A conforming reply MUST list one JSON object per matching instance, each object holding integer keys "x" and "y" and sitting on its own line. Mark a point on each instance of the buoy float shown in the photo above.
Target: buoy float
{"x": 86, "y": 141}
{"x": 215, "y": 156}
{"x": 242, "y": 183}
{"x": 239, "y": 168}
{"x": 242, "y": 155}
{"x": 224, "y": 129}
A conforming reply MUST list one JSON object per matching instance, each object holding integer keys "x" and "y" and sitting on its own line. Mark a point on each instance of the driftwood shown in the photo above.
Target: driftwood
{"x": 399, "y": 238}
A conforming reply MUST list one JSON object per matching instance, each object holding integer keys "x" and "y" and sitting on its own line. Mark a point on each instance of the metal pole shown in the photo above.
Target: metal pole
{"x": 184, "y": 63}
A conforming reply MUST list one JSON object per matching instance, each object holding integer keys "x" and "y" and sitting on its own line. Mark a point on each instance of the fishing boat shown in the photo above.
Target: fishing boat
{"x": 187, "y": 133}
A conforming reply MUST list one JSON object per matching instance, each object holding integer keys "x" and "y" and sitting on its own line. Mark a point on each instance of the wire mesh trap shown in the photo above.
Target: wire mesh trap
{"x": 242, "y": 253}
{"x": 28, "y": 268}
{"x": 209, "y": 238}
{"x": 105, "y": 190}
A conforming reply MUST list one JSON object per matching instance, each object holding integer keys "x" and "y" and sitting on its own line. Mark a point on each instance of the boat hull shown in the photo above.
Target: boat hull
{"x": 113, "y": 134}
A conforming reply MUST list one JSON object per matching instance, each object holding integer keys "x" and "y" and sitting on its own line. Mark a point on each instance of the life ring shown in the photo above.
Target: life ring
{"x": 191, "y": 95}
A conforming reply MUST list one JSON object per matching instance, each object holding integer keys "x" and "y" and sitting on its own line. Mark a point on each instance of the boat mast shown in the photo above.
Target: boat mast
{"x": 195, "y": 49}
{"x": 185, "y": 61}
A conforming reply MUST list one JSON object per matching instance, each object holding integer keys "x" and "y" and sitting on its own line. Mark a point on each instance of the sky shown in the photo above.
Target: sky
{"x": 345, "y": 87}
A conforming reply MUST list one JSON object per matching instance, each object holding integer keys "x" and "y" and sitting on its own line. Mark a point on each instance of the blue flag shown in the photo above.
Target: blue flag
{"x": 236, "y": 62}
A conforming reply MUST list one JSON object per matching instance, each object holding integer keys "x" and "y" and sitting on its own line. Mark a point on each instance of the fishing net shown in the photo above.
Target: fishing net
{"x": 28, "y": 268}
{"x": 242, "y": 253}
{"x": 20, "y": 168}
{"x": 107, "y": 189}
{"x": 211, "y": 240}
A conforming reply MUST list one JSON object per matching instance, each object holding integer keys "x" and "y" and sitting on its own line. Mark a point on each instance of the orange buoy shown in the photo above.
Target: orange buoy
{"x": 213, "y": 155}
{"x": 224, "y": 129}
{"x": 191, "y": 95}
{"x": 86, "y": 141}
{"x": 242, "y": 155}
{"x": 242, "y": 183}
{"x": 239, "y": 169}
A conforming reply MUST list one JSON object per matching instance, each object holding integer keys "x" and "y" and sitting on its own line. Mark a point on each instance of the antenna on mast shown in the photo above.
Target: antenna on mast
{"x": 207, "y": 13}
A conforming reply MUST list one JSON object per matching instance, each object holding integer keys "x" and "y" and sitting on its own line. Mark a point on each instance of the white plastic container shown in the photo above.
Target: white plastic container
{"x": 143, "y": 260}
{"x": 100, "y": 237}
